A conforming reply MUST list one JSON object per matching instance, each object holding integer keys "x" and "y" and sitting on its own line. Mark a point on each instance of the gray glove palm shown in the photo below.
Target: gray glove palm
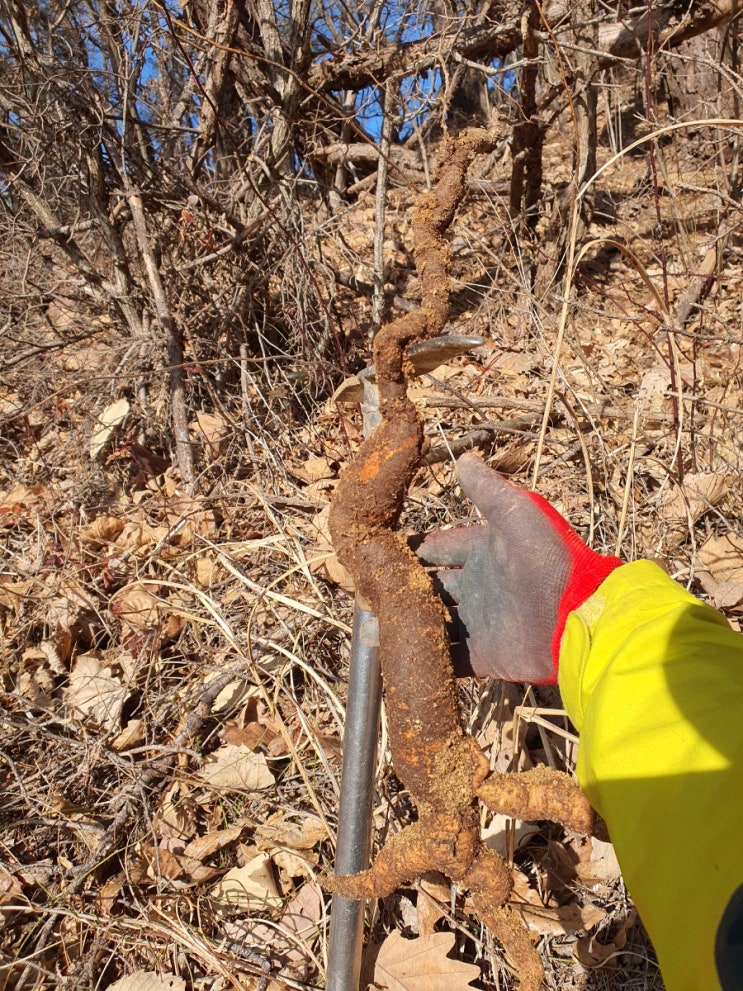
{"x": 514, "y": 580}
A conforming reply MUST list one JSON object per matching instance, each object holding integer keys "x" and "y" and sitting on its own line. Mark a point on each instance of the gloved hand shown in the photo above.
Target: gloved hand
{"x": 514, "y": 580}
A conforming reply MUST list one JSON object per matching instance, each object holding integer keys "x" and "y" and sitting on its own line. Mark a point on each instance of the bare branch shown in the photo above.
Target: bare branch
{"x": 173, "y": 346}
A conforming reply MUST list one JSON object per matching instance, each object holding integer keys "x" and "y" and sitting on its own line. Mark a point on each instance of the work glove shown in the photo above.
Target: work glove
{"x": 514, "y": 580}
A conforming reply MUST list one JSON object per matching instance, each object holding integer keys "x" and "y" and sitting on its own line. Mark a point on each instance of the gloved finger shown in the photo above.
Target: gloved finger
{"x": 448, "y": 548}
{"x": 489, "y": 491}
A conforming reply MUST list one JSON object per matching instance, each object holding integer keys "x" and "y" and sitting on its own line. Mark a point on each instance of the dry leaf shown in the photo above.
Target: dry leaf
{"x": 304, "y": 836}
{"x": 501, "y": 829}
{"x": 95, "y": 692}
{"x": 107, "y": 424}
{"x": 728, "y": 595}
{"x": 232, "y": 768}
{"x": 11, "y": 895}
{"x": 300, "y": 918}
{"x": 138, "y": 606}
{"x": 323, "y": 559}
{"x": 514, "y": 364}
{"x": 23, "y": 500}
{"x": 722, "y": 577}
{"x": 295, "y": 865}
{"x": 559, "y": 920}
{"x": 102, "y": 530}
{"x": 138, "y": 535}
{"x": 13, "y": 594}
{"x": 62, "y": 314}
{"x": 132, "y": 735}
{"x": 68, "y": 619}
{"x": 565, "y": 920}
{"x": 35, "y": 680}
{"x": 251, "y": 735}
{"x": 602, "y": 867}
{"x": 178, "y": 814}
{"x": 251, "y": 888}
{"x": 167, "y": 861}
{"x": 11, "y": 405}
{"x": 315, "y": 469}
{"x": 591, "y": 953}
{"x": 205, "y": 570}
{"x": 232, "y": 695}
{"x": 422, "y": 964}
{"x": 145, "y": 980}
{"x": 651, "y": 396}
{"x": 213, "y": 431}
{"x": 288, "y": 941}
{"x": 171, "y": 861}
{"x": 697, "y": 494}
{"x": 434, "y": 899}
{"x": 204, "y": 846}
{"x": 108, "y": 894}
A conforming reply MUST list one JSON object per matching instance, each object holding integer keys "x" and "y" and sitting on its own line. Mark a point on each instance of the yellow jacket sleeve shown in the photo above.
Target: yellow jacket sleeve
{"x": 653, "y": 680}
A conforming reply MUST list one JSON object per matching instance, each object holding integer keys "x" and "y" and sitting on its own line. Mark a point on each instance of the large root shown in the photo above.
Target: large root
{"x": 439, "y": 764}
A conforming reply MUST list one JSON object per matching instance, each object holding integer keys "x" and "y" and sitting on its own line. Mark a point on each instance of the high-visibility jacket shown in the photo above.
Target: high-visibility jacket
{"x": 653, "y": 680}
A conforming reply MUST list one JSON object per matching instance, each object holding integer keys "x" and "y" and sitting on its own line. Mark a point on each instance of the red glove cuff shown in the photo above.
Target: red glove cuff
{"x": 586, "y": 572}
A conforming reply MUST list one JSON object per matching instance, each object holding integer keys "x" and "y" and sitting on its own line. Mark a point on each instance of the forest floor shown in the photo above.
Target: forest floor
{"x": 175, "y": 667}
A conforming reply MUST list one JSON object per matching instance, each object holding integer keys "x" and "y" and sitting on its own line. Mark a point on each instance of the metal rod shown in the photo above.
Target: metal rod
{"x": 353, "y": 842}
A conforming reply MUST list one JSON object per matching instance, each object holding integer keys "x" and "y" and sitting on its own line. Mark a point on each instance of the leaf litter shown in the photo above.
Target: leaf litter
{"x": 119, "y": 615}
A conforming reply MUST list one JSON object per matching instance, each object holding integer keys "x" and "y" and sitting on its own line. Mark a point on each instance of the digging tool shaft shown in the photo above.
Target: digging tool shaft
{"x": 353, "y": 844}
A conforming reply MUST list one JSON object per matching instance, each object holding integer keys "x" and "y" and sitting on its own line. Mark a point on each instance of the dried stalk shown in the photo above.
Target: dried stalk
{"x": 174, "y": 348}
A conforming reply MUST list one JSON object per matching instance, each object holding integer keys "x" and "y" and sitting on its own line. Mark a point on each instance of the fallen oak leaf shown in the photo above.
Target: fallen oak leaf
{"x": 204, "y": 846}
{"x": 591, "y": 953}
{"x": 294, "y": 865}
{"x": 11, "y": 895}
{"x": 602, "y": 867}
{"x": 434, "y": 900}
{"x": 422, "y": 964}
{"x": 316, "y": 469}
{"x": 102, "y": 530}
{"x": 291, "y": 845}
{"x": 720, "y": 569}
{"x": 230, "y": 768}
{"x": 145, "y": 980}
{"x": 177, "y": 816}
{"x": 168, "y": 860}
{"x": 287, "y": 942}
{"x": 21, "y": 501}
{"x": 251, "y": 888}
{"x": 551, "y": 920}
{"x": 565, "y": 920}
{"x": 69, "y": 619}
{"x": 132, "y": 735}
{"x": 324, "y": 561}
{"x": 95, "y": 691}
{"x": 302, "y": 836}
{"x": 107, "y": 423}
{"x": 139, "y": 607}
{"x": 212, "y": 431}
{"x": 698, "y": 493}
{"x": 14, "y": 594}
